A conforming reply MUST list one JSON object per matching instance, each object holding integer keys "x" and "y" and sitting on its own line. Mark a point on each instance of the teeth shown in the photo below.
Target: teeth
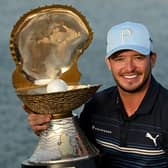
{"x": 130, "y": 76}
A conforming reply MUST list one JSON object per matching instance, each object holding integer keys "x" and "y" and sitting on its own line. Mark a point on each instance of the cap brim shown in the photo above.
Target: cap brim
{"x": 141, "y": 50}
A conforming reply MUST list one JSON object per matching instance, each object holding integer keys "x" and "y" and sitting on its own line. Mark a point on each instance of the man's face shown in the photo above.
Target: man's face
{"x": 131, "y": 70}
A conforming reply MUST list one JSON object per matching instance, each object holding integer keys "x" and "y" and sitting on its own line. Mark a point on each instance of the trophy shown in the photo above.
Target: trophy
{"x": 45, "y": 44}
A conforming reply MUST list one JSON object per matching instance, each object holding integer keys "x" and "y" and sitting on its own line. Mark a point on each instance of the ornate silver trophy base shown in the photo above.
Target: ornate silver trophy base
{"x": 88, "y": 163}
{"x": 63, "y": 145}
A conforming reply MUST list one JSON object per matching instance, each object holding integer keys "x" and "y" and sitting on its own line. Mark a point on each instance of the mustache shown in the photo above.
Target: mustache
{"x": 130, "y": 73}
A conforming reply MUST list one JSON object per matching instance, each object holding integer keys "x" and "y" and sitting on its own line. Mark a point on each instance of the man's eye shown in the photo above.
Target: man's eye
{"x": 140, "y": 57}
{"x": 118, "y": 58}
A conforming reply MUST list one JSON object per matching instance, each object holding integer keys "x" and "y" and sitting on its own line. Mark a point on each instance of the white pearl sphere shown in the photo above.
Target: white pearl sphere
{"x": 57, "y": 85}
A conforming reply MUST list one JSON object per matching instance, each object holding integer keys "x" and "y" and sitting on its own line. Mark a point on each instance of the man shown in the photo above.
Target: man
{"x": 126, "y": 122}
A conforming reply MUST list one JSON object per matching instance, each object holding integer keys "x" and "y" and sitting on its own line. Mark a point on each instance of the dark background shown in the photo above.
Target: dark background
{"x": 17, "y": 141}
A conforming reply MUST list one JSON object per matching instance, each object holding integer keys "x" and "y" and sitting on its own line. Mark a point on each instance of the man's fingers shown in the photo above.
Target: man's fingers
{"x": 39, "y": 128}
{"x": 38, "y": 119}
{"x": 38, "y": 122}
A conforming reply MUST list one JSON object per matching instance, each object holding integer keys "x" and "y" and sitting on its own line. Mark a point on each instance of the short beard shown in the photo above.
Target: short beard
{"x": 139, "y": 88}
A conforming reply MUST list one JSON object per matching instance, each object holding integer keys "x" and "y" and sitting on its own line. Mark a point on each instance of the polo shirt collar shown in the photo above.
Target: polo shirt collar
{"x": 149, "y": 99}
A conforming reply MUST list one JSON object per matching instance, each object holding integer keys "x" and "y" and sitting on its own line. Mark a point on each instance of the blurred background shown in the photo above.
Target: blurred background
{"x": 17, "y": 141}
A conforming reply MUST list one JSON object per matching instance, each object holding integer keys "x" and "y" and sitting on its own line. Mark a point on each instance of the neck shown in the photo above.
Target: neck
{"x": 132, "y": 100}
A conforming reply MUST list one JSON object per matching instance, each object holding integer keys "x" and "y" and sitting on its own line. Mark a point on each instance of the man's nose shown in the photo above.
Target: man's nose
{"x": 130, "y": 65}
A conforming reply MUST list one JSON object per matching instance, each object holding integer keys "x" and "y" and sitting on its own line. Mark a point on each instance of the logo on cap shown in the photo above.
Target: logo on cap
{"x": 125, "y": 34}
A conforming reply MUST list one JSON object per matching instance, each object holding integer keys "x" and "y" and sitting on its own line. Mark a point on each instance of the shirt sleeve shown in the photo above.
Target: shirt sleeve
{"x": 85, "y": 121}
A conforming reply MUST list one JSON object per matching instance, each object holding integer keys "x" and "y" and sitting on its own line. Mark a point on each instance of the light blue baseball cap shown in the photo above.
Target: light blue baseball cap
{"x": 129, "y": 35}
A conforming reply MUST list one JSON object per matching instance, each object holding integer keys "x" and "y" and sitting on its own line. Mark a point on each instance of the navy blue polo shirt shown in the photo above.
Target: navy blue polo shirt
{"x": 137, "y": 141}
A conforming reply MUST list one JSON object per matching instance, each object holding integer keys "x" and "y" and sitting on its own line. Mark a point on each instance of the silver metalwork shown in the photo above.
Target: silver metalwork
{"x": 62, "y": 143}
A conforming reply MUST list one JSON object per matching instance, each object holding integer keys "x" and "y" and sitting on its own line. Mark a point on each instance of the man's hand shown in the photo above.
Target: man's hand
{"x": 37, "y": 122}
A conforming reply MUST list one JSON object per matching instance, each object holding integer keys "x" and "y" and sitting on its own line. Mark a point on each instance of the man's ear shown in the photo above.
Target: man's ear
{"x": 107, "y": 61}
{"x": 153, "y": 57}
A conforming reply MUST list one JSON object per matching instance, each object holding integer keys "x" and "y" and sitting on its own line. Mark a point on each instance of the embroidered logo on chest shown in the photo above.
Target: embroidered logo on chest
{"x": 101, "y": 130}
{"x": 154, "y": 139}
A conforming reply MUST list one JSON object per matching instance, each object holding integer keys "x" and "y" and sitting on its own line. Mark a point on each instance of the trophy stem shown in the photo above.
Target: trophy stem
{"x": 62, "y": 143}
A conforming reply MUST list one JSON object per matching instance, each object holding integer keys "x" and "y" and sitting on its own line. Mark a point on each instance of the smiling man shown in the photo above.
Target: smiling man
{"x": 126, "y": 122}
